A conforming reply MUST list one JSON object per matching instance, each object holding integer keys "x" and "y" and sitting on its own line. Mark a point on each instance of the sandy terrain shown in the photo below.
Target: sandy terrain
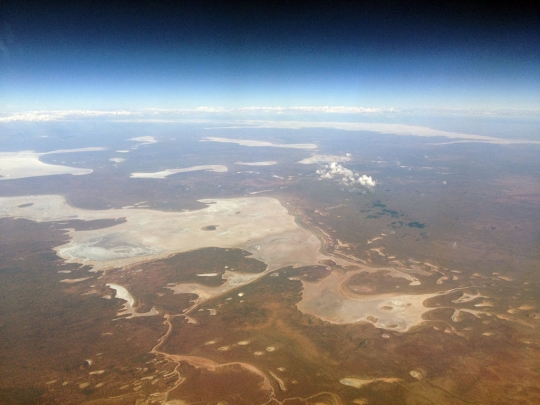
{"x": 167, "y": 172}
{"x": 246, "y": 142}
{"x": 123, "y": 294}
{"x": 396, "y": 312}
{"x": 394, "y": 129}
{"x": 205, "y": 292}
{"x": 259, "y": 225}
{"x": 18, "y": 165}
{"x": 359, "y": 383}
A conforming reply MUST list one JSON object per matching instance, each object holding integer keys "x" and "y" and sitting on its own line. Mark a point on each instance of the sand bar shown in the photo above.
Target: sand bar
{"x": 167, "y": 172}
{"x": 265, "y": 163}
{"x": 247, "y": 142}
{"x": 394, "y": 129}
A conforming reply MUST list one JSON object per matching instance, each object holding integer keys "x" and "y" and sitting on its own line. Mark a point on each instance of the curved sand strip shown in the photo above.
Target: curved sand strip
{"x": 123, "y": 294}
{"x": 167, "y": 172}
{"x": 247, "y": 142}
{"x": 382, "y": 128}
{"x": 266, "y": 163}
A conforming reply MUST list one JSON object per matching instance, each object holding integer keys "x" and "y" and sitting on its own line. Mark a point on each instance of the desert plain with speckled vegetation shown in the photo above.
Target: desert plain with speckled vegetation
{"x": 338, "y": 266}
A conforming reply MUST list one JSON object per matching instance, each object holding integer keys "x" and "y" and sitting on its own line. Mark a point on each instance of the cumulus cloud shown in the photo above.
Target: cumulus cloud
{"x": 346, "y": 176}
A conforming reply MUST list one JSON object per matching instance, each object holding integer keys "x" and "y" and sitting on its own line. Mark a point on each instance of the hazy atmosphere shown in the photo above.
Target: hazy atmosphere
{"x": 269, "y": 203}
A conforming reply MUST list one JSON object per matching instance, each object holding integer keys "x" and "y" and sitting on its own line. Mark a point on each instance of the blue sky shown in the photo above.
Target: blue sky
{"x": 97, "y": 55}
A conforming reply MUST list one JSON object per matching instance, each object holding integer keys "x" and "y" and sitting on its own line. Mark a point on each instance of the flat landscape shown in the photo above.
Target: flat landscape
{"x": 268, "y": 263}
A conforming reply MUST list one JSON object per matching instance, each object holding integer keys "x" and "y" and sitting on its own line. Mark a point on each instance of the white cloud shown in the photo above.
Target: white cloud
{"x": 346, "y": 176}
{"x": 144, "y": 140}
{"x": 343, "y": 110}
{"x": 58, "y": 115}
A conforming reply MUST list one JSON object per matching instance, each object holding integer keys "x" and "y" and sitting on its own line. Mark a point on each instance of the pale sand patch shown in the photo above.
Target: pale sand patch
{"x": 18, "y": 165}
{"x": 394, "y": 129}
{"x": 396, "y": 312}
{"x": 324, "y": 159}
{"x": 123, "y": 294}
{"x": 259, "y": 192}
{"x": 246, "y": 142}
{"x": 167, "y": 172}
{"x": 280, "y": 382}
{"x": 204, "y": 292}
{"x": 485, "y": 303}
{"x": 267, "y": 163}
{"x": 74, "y": 280}
{"x": 441, "y": 280}
{"x": 374, "y": 239}
{"x": 359, "y": 383}
{"x": 466, "y": 297}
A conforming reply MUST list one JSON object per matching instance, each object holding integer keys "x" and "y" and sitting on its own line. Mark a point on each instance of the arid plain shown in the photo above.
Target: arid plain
{"x": 266, "y": 265}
